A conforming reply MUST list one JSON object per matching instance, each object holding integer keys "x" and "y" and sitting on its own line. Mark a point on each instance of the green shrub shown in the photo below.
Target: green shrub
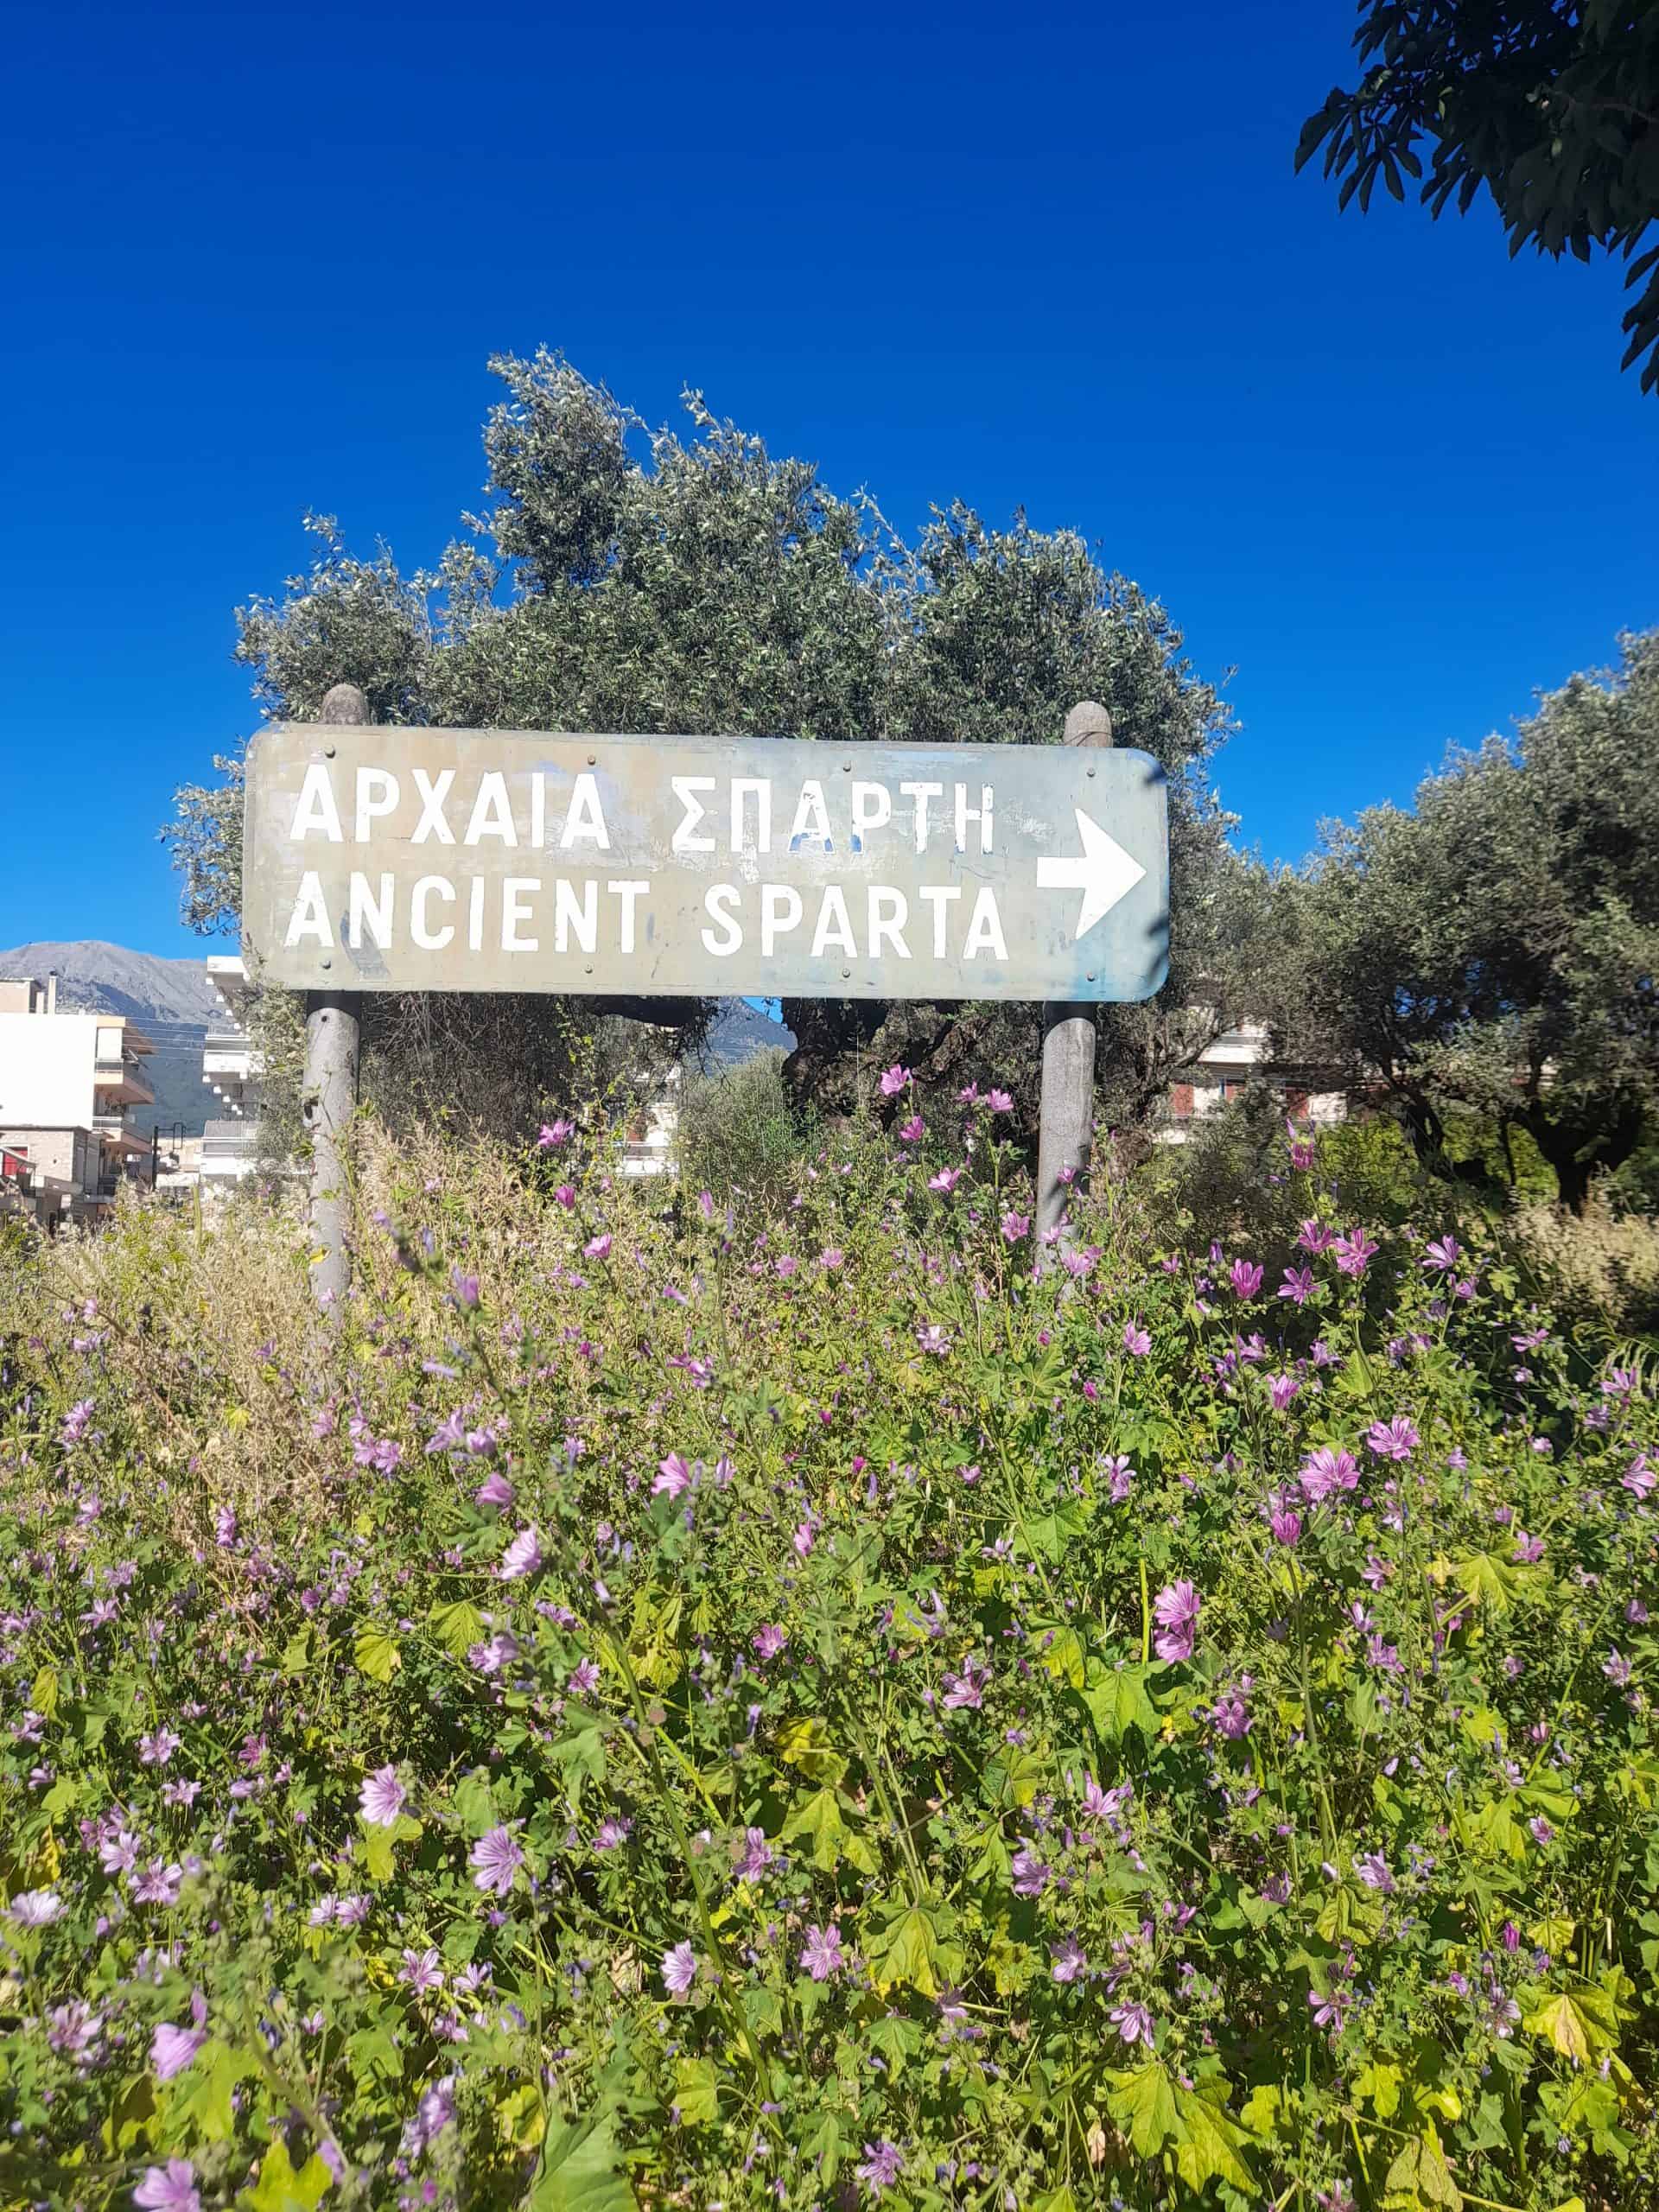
{"x": 797, "y": 1711}
{"x": 741, "y": 1135}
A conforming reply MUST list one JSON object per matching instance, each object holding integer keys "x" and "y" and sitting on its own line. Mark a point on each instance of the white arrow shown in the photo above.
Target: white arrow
{"x": 1104, "y": 874}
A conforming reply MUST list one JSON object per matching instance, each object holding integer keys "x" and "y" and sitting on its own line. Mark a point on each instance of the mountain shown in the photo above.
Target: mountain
{"x": 739, "y": 1030}
{"x": 171, "y": 1001}
{"x": 111, "y": 979}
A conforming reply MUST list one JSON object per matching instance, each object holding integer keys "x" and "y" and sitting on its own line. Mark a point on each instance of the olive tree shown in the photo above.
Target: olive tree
{"x": 620, "y": 582}
{"x": 1498, "y": 947}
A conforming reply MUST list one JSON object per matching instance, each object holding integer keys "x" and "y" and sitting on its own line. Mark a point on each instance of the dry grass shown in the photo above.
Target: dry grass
{"x": 1600, "y": 1263}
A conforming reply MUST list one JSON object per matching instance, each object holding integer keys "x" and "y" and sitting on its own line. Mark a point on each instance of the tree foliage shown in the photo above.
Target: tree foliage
{"x": 1498, "y": 947}
{"x": 1552, "y": 105}
{"x": 620, "y": 584}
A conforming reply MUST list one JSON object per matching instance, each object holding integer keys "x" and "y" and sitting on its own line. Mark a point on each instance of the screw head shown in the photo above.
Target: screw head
{"x": 326, "y": 962}
{"x": 1091, "y": 772}
{"x": 327, "y": 751}
{"x": 593, "y": 760}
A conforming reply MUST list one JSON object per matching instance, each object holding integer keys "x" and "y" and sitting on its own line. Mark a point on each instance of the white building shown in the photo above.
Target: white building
{"x": 231, "y": 1067}
{"x": 67, "y": 1083}
{"x": 1238, "y": 1057}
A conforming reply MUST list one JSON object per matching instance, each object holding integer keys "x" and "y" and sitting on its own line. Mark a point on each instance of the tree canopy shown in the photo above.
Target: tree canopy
{"x": 627, "y": 584}
{"x": 1498, "y": 947}
{"x": 1553, "y": 105}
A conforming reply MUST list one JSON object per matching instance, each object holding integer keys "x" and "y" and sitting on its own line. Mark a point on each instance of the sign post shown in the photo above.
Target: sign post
{"x": 329, "y": 1098}
{"x": 1065, "y": 1127}
{"x": 440, "y": 860}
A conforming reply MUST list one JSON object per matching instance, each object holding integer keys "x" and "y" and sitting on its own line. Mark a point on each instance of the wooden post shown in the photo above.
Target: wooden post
{"x": 1068, "y": 1093}
{"x": 330, "y": 1095}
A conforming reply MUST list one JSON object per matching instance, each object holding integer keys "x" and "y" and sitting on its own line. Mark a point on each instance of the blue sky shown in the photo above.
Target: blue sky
{"x": 254, "y": 261}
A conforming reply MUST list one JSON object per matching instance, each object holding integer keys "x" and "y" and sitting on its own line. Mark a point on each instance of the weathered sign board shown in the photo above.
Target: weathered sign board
{"x": 438, "y": 860}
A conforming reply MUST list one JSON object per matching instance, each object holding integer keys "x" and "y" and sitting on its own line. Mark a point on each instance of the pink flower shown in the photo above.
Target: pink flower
{"x": 821, "y": 1953}
{"x": 172, "y": 2050}
{"x": 1372, "y": 1869}
{"x": 421, "y": 1970}
{"x": 1067, "y": 1958}
{"x": 1281, "y": 1389}
{"x": 1245, "y": 1277}
{"x": 1316, "y": 1237}
{"x": 382, "y": 1798}
{"x": 679, "y": 1969}
{"x": 35, "y": 1907}
{"x": 1394, "y": 1440}
{"x": 1286, "y": 1528}
{"x": 1355, "y": 1252}
{"x": 494, "y": 1859}
{"x": 831, "y": 1256}
{"x": 1137, "y": 1341}
{"x": 171, "y": 2188}
{"x": 1442, "y": 1257}
{"x": 1639, "y": 1477}
{"x": 1014, "y": 1225}
{"x": 1133, "y": 2023}
{"x": 913, "y": 1130}
{"x": 565, "y": 1196}
{"x": 554, "y": 1133}
{"x": 1326, "y": 1471}
{"x": 998, "y": 1102}
{"x": 494, "y": 1489}
{"x": 946, "y": 1181}
{"x": 894, "y": 1080}
{"x": 1176, "y": 1608}
{"x": 672, "y": 1476}
{"x": 523, "y": 1556}
{"x": 597, "y": 1248}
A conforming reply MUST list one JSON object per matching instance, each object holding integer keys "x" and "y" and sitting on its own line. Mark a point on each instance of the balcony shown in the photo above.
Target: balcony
{"x": 118, "y": 1082}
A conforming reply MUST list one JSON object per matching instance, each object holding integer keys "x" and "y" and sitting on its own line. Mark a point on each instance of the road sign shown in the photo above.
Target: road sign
{"x": 438, "y": 860}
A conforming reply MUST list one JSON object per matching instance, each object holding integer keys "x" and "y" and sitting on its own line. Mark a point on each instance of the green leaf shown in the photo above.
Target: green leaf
{"x": 1061, "y": 1652}
{"x": 1484, "y": 1580}
{"x": 1381, "y": 2083}
{"x": 910, "y": 1950}
{"x": 43, "y": 1692}
{"x": 577, "y": 2171}
{"x": 804, "y": 1743}
{"x": 379, "y": 1846}
{"x": 1143, "y": 2105}
{"x": 581, "y": 1752}
{"x": 1420, "y": 2176}
{"x": 377, "y": 1654}
{"x": 457, "y": 1627}
{"x": 1117, "y": 1701}
{"x": 819, "y": 1821}
{"x": 1212, "y": 2141}
{"x": 1576, "y": 2023}
{"x": 279, "y": 2188}
{"x": 697, "y": 2091}
{"x": 896, "y": 2038}
{"x": 202, "y": 2099}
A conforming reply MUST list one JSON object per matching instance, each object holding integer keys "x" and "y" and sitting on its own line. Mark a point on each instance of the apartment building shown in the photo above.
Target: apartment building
{"x": 68, "y": 1083}
{"x": 1240, "y": 1057}
{"x": 230, "y": 1068}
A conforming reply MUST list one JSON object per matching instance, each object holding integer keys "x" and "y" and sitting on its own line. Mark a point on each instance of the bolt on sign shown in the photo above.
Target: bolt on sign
{"x": 436, "y": 859}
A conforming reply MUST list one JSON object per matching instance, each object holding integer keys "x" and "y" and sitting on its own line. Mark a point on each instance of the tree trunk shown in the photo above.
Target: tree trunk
{"x": 1578, "y": 1150}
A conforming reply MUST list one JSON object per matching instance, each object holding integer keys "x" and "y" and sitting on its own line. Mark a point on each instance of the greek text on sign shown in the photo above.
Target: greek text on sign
{"x": 434, "y": 859}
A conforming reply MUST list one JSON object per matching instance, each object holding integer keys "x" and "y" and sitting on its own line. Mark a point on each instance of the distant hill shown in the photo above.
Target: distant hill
{"x": 739, "y": 1030}
{"x": 171, "y": 1001}
{"x": 111, "y": 979}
